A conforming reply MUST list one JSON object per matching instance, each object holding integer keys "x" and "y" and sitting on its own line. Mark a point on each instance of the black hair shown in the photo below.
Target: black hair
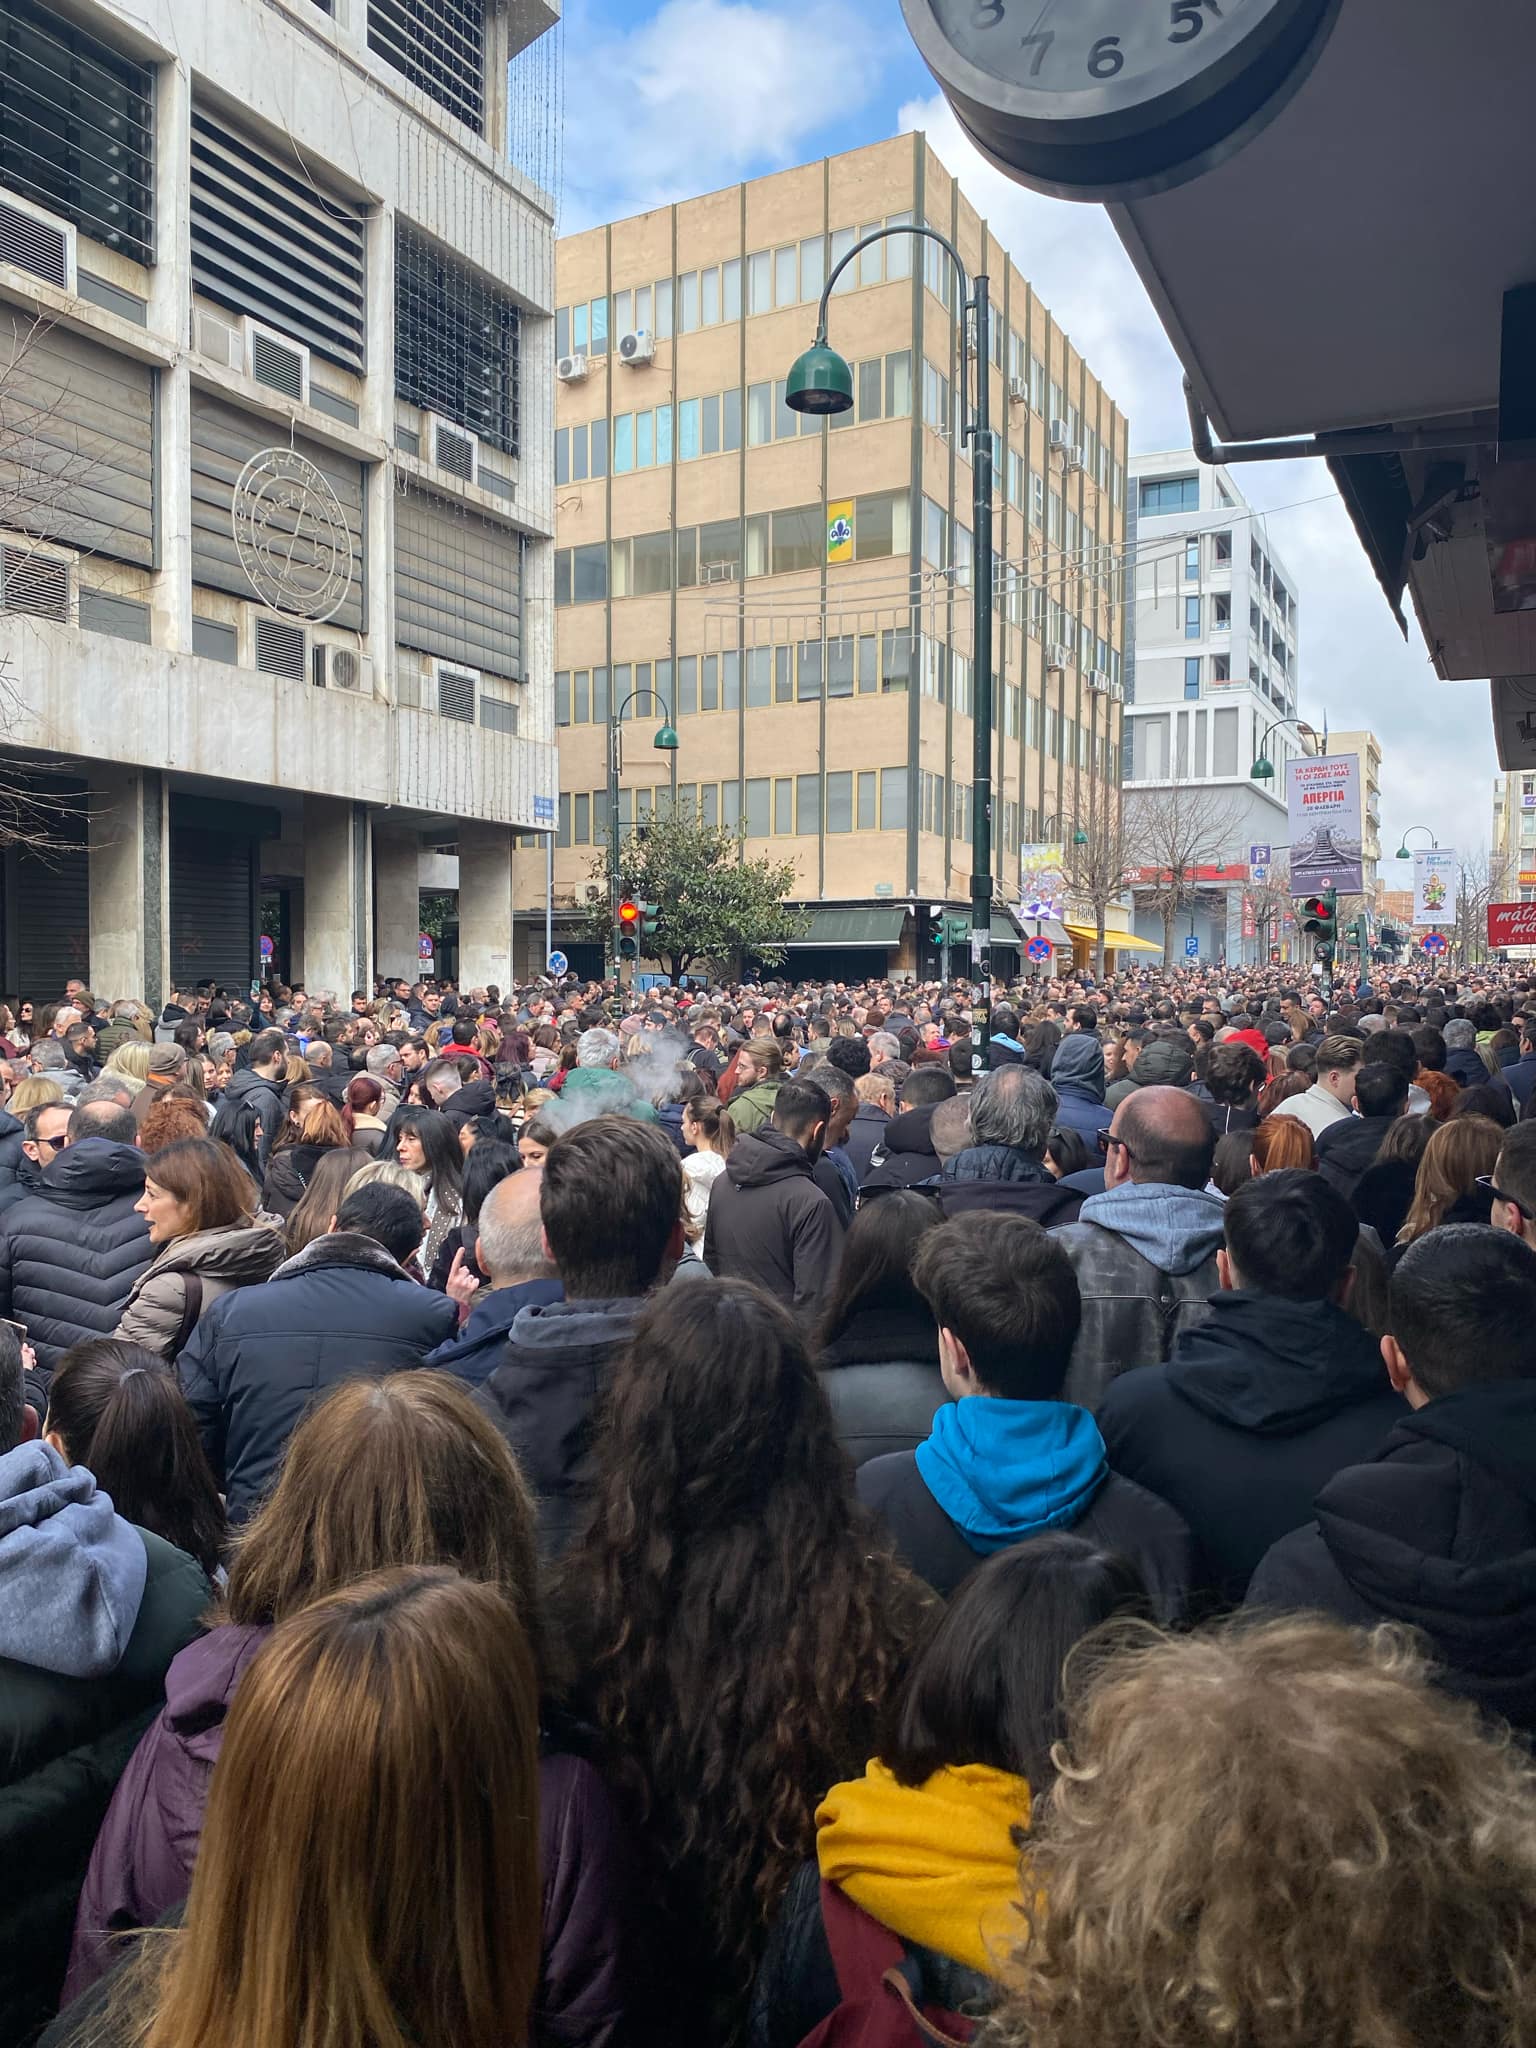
{"x": 440, "y": 1147}
{"x": 264, "y": 1045}
{"x": 1067, "y": 1151}
{"x": 490, "y": 1128}
{"x": 1234, "y": 1073}
{"x": 1394, "y": 1049}
{"x": 1462, "y": 1305}
{"x": 1516, "y": 1169}
{"x": 1290, "y": 1234}
{"x": 851, "y": 1054}
{"x": 1485, "y": 1098}
{"x": 988, "y": 1686}
{"x": 13, "y": 1389}
{"x": 611, "y": 1198}
{"x": 489, "y": 1163}
{"x": 874, "y": 1269}
{"x": 1232, "y": 1162}
{"x": 387, "y": 1214}
{"x": 1009, "y": 1294}
{"x": 1381, "y": 1089}
{"x": 799, "y": 1106}
{"x": 120, "y": 1410}
{"x": 925, "y": 1085}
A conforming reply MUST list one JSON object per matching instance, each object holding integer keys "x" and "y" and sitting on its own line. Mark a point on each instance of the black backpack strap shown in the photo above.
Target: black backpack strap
{"x": 191, "y": 1309}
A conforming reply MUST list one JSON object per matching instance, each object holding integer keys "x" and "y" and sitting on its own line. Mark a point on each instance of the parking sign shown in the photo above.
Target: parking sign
{"x": 1192, "y": 947}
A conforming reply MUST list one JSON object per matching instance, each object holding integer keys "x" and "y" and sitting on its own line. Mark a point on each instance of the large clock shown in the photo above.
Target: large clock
{"x": 1112, "y": 99}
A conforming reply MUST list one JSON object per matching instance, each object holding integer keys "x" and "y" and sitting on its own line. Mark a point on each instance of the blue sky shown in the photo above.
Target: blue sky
{"x": 667, "y": 98}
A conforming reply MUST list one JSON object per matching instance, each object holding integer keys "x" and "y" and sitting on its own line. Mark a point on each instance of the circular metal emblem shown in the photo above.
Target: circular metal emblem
{"x": 292, "y": 536}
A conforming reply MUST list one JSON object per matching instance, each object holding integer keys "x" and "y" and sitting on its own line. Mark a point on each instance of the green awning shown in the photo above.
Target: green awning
{"x": 1004, "y": 931}
{"x": 832, "y": 926}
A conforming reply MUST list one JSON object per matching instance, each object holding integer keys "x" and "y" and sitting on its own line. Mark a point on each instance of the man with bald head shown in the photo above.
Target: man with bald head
{"x": 1144, "y": 1251}
{"x": 510, "y": 1252}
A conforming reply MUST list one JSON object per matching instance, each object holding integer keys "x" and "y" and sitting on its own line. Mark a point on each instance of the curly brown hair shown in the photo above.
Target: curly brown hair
{"x": 1278, "y": 1834}
{"x": 745, "y": 1624}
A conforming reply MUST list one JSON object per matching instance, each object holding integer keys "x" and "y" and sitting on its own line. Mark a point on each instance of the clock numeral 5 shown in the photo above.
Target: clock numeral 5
{"x": 1106, "y": 58}
{"x": 1188, "y": 18}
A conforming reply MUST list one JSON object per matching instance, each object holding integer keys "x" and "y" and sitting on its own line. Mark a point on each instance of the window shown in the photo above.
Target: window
{"x": 688, "y": 303}
{"x": 813, "y": 267}
{"x": 709, "y": 297}
{"x": 798, "y": 538}
{"x": 840, "y": 801}
{"x": 870, "y": 381}
{"x": 786, "y": 423}
{"x": 786, "y": 276}
{"x": 1221, "y": 668}
{"x": 760, "y": 282}
{"x": 1150, "y": 749}
{"x": 1221, "y": 549}
{"x": 1191, "y": 618}
{"x": 759, "y": 415}
{"x": 623, "y": 443}
{"x": 563, "y": 829}
{"x": 1192, "y": 561}
{"x": 651, "y": 564}
{"x": 898, "y": 385}
{"x": 1192, "y": 675}
{"x": 871, "y": 258}
{"x": 783, "y": 807}
{"x": 783, "y": 674}
{"x": 843, "y": 240}
{"x": 757, "y": 807}
{"x": 621, "y": 310}
{"x": 810, "y": 670}
{"x": 720, "y": 550}
{"x": 687, "y": 685}
{"x": 1169, "y": 494}
{"x": 866, "y": 815}
{"x": 583, "y": 816}
{"x": 1221, "y": 614}
{"x": 898, "y": 248}
{"x": 759, "y": 677}
{"x": 840, "y": 659}
{"x": 663, "y": 308}
{"x": 881, "y": 525}
{"x": 581, "y": 705}
{"x": 709, "y": 683}
{"x": 730, "y": 422}
{"x": 895, "y": 660}
{"x": 562, "y": 697}
{"x": 893, "y": 799}
{"x": 730, "y": 289}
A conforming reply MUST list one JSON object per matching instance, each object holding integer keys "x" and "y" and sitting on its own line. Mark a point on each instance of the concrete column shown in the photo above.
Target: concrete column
{"x": 128, "y": 881}
{"x": 333, "y": 946}
{"x": 485, "y": 905}
{"x": 396, "y": 901}
{"x": 378, "y": 417}
{"x": 169, "y": 315}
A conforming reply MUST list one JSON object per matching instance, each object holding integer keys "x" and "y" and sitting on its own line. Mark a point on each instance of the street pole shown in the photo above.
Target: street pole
{"x": 614, "y": 743}
{"x": 982, "y": 569}
{"x": 549, "y": 895}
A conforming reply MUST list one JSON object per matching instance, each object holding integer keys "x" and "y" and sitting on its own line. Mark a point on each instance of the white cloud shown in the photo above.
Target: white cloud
{"x": 1437, "y": 745}
{"x": 704, "y": 92}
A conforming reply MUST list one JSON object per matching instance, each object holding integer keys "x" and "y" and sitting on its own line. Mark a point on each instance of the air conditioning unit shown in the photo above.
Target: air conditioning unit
{"x": 1060, "y": 435}
{"x": 1073, "y": 458}
{"x": 592, "y": 892}
{"x": 38, "y": 242}
{"x": 1056, "y": 658}
{"x": 1018, "y": 390}
{"x": 450, "y": 447}
{"x": 272, "y": 359}
{"x": 278, "y": 647}
{"x": 571, "y": 369}
{"x": 38, "y": 581}
{"x": 220, "y": 341}
{"x": 637, "y": 348}
{"x": 456, "y": 690}
{"x": 341, "y": 665}
{"x": 1099, "y": 679}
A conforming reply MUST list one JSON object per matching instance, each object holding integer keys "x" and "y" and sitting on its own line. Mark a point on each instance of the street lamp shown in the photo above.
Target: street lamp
{"x": 821, "y": 382}
{"x": 1263, "y": 769}
{"x": 1405, "y": 852}
{"x": 666, "y": 741}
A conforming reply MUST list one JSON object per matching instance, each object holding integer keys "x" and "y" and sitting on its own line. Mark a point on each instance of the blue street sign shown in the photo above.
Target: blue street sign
{"x": 1039, "y": 949}
{"x": 1434, "y": 942}
{"x": 557, "y": 963}
{"x": 1259, "y": 856}
{"x": 1192, "y": 947}
{"x": 543, "y": 810}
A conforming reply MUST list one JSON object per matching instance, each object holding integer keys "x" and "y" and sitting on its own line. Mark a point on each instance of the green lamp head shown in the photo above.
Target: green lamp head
{"x": 666, "y": 739}
{"x": 820, "y": 381}
{"x": 1079, "y": 837}
{"x": 1263, "y": 770}
{"x": 1403, "y": 853}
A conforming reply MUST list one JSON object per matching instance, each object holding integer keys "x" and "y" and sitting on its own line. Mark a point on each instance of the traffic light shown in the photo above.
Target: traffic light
{"x": 648, "y": 921}
{"x": 1319, "y": 917}
{"x": 629, "y": 930}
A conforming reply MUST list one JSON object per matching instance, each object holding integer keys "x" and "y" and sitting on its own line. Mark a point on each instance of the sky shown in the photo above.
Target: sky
{"x": 663, "y": 101}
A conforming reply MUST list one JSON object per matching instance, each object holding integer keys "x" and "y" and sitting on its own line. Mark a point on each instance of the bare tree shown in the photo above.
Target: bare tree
{"x": 1271, "y": 906}
{"x": 1171, "y": 834}
{"x": 1482, "y": 879}
{"x": 1095, "y": 871}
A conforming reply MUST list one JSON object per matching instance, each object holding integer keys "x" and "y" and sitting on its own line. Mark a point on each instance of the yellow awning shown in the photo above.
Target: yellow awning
{"x": 1117, "y": 941}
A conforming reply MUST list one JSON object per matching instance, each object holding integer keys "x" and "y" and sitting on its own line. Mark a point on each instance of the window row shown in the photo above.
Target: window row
{"x": 760, "y": 807}
{"x": 843, "y": 665}
{"x": 762, "y": 282}
{"x": 1194, "y": 672}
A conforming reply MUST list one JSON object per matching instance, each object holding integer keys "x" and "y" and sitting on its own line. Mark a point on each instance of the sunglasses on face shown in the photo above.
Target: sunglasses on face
{"x": 1486, "y": 1180}
{"x": 1107, "y": 1138}
{"x": 53, "y": 1144}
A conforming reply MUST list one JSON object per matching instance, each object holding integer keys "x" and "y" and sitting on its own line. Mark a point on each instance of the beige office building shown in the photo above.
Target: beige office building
{"x": 795, "y": 595}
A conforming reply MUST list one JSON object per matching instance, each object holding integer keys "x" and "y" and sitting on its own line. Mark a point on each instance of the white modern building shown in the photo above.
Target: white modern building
{"x": 1210, "y": 685}
{"x": 276, "y": 486}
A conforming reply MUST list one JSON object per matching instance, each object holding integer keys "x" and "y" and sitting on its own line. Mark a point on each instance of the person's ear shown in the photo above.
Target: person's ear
{"x": 30, "y": 1426}
{"x": 52, "y": 1438}
{"x": 546, "y": 1247}
{"x": 1400, "y": 1373}
{"x": 332, "y": 1226}
{"x": 955, "y": 1366}
{"x": 1224, "y": 1271}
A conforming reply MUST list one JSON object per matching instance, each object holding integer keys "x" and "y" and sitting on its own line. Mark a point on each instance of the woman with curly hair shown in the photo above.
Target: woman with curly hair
{"x": 1279, "y": 1835}
{"x": 743, "y": 1627}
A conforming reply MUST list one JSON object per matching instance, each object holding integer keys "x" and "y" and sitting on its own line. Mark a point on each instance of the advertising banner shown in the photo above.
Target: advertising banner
{"x": 1436, "y": 879}
{"x": 1042, "y": 880}
{"x": 1512, "y": 924}
{"x": 1323, "y": 807}
{"x": 840, "y": 531}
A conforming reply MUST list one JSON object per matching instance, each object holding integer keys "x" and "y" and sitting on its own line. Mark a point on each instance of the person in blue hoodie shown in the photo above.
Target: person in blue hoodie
{"x": 1144, "y": 1251}
{"x": 1276, "y": 1391}
{"x": 509, "y": 1245}
{"x": 1077, "y": 1075}
{"x": 1009, "y": 1457}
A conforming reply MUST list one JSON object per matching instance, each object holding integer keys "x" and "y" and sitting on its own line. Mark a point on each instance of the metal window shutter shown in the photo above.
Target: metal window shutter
{"x": 213, "y": 908}
{"x": 457, "y": 343}
{"x": 458, "y": 585}
{"x": 439, "y": 45}
{"x": 223, "y": 441}
{"x": 53, "y": 920}
{"x": 77, "y": 463}
{"x": 265, "y": 242}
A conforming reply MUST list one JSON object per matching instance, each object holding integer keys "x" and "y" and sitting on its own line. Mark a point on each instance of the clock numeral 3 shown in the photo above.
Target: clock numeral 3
{"x": 1188, "y": 18}
{"x": 1106, "y": 58}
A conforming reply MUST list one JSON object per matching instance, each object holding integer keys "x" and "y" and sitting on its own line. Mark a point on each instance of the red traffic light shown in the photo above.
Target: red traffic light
{"x": 1315, "y": 906}
{"x": 629, "y": 913}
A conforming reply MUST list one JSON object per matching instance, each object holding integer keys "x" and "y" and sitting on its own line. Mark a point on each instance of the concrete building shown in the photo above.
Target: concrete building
{"x": 1367, "y": 750}
{"x": 276, "y": 500}
{"x": 795, "y": 595}
{"x": 1512, "y": 858}
{"x": 1211, "y": 686}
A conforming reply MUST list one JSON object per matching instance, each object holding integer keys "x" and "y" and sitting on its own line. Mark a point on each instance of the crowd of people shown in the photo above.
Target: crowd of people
{"x": 573, "y": 1518}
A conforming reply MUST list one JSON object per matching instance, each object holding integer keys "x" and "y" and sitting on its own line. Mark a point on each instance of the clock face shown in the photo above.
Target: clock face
{"x": 1110, "y": 98}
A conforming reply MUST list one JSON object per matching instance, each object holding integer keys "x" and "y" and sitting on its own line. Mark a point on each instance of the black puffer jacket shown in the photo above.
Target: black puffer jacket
{"x": 340, "y": 1308}
{"x": 881, "y": 1378}
{"x": 771, "y": 1224}
{"x": 71, "y": 1250}
{"x": 12, "y": 1159}
{"x": 905, "y": 1154}
{"x": 1004, "y": 1177}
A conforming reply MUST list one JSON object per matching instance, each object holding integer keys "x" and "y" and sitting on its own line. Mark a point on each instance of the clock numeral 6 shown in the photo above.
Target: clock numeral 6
{"x": 1106, "y": 58}
{"x": 1188, "y": 18}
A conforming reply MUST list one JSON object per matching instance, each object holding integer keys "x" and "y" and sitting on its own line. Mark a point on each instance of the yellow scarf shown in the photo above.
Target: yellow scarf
{"x": 935, "y": 1863}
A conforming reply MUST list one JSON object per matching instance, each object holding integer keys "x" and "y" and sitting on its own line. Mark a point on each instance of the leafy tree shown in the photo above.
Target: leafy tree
{"x": 711, "y": 905}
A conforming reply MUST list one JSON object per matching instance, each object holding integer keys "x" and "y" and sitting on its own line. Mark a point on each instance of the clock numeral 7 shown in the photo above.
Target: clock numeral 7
{"x": 1188, "y": 18}
{"x": 1039, "y": 44}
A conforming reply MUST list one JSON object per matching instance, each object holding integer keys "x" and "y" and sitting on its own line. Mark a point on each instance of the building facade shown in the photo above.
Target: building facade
{"x": 1211, "y": 690}
{"x": 795, "y": 595}
{"x": 1366, "y": 749}
{"x": 276, "y": 498}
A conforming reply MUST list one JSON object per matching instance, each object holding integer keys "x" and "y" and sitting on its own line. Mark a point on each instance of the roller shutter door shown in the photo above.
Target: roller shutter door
{"x": 53, "y": 923}
{"x": 213, "y": 908}
{"x": 458, "y": 585}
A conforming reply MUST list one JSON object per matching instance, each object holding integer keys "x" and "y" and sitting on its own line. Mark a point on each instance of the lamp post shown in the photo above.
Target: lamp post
{"x": 666, "y": 740}
{"x": 1405, "y": 852}
{"x": 821, "y": 382}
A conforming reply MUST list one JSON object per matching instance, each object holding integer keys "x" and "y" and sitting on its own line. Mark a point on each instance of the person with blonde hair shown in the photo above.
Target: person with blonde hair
{"x": 403, "y": 1473}
{"x": 1446, "y": 1188}
{"x": 368, "y": 1874}
{"x": 131, "y": 1060}
{"x": 34, "y": 1091}
{"x": 1279, "y": 1836}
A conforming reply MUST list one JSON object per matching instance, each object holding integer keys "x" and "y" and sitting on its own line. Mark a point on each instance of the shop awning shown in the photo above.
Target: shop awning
{"x": 1049, "y": 928}
{"x": 1004, "y": 931}
{"x": 835, "y": 926}
{"x": 1117, "y": 941}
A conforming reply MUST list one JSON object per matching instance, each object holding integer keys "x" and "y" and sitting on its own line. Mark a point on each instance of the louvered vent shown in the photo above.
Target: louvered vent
{"x": 497, "y": 715}
{"x": 457, "y": 340}
{"x": 279, "y": 365}
{"x": 455, "y": 453}
{"x": 280, "y": 649}
{"x": 38, "y": 246}
{"x": 456, "y": 696}
{"x": 440, "y": 46}
{"x": 35, "y": 584}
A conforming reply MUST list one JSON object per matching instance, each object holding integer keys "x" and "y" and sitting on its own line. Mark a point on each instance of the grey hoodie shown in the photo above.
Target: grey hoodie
{"x": 1176, "y": 1229}
{"x": 72, "y": 1571}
